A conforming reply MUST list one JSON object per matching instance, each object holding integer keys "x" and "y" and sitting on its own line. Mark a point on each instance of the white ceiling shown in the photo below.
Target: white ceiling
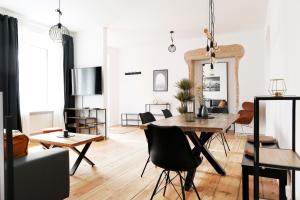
{"x": 180, "y": 15}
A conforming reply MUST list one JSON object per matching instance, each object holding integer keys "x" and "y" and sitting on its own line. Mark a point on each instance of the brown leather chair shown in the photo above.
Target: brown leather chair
{"x": 246, "y": 114}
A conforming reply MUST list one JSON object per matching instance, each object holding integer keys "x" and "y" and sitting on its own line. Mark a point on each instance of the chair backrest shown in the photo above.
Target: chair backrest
{"x": 170, "y": 149}
{"x": 248, "y": 106}
{"x": 147, "y": 117}
{"x": 247, "y": 114}
{"x": 167, "y": 113}
{"x": 245, "y": 117}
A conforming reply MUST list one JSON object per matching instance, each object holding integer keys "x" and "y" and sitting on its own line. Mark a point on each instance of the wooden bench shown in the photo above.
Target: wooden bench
{"x": 248, "y": 169}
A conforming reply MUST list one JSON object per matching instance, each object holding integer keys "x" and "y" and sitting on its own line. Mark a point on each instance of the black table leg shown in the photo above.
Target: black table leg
{"x": 85, "y": 158}
{"x": 200, "y": 148}
{"x": 80, "y": 157}
{"x": 245, "y": 182}
{"x": 213, "y": 161}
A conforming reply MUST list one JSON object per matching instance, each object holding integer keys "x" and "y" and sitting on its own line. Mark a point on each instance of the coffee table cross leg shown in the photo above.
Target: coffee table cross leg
{"x": 80, "y": 157}
{"x": 85, "y": 158}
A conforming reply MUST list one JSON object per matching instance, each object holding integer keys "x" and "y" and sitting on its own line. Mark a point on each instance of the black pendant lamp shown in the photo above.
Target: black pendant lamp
{"x": 172, "y": 47}
{"x": 57, "y": 31}
{"x": 211, "y": 46}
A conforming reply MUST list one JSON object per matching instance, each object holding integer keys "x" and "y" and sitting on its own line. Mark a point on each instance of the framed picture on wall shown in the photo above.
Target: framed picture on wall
{"x": 160, "y": 80}
{"x": 215, "y": 83}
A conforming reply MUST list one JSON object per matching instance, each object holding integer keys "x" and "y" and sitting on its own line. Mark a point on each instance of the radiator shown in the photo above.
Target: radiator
{"x": 40, "y": 120}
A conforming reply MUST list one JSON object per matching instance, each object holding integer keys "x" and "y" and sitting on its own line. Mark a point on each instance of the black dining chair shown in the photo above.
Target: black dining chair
{"x": 167, "y": 113}
{"x": 146, "y": 117}
{"x": 170, "y": 150}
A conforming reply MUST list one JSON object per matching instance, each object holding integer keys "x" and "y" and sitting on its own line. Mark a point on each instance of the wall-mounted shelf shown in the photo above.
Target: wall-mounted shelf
{"x": 81, "y": 119}
{"x": 287, "y": 159}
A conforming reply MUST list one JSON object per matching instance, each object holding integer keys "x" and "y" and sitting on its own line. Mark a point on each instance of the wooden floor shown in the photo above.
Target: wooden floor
{"x": 120, "y": 160}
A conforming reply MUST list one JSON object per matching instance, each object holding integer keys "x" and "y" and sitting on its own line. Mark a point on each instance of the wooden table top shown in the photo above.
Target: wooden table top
{"x": 78, "y": 139}
{"x": 220, "y": 122}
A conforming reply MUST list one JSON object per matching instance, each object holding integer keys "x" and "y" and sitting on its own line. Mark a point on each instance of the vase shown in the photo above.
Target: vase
{"x": 199, "y": 111}
{"x": 204, "y": 112}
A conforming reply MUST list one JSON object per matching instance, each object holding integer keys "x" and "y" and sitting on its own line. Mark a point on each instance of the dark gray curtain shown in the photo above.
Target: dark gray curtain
{"x": 68, "y": 65}
{"x": 9, "y": 69}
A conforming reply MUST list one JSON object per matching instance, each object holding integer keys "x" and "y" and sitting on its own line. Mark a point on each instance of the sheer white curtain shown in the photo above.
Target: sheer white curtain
{"x": 41, "y": 75}
{"x": 56, "y": 83}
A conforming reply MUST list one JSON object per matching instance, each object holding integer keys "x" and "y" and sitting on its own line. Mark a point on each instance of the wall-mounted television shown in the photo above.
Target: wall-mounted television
{"x": 87, "y": 81}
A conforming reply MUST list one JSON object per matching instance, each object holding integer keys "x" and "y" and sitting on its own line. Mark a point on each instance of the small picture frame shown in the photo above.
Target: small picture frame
{"x": 160, "y": 80}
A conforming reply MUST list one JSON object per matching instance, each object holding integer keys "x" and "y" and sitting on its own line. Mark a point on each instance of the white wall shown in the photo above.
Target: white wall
{"x": 91, "y": 49}
{"x": 147, "y": 52}
{"x": 113, "y": 86}
{"x": 282, "y": 44}
{"x": 88, "y": 52}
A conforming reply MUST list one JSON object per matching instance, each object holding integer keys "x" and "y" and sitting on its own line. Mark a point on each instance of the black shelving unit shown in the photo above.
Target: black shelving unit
{"x": 263, "y": 156}
{"x": 130, "y": 119}
{"x": 161, "y": 105}
{"x": 78, "y": 119}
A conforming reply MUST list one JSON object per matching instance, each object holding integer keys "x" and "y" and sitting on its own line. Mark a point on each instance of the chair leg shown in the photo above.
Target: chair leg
{"x": 242, "y": 128}
{"x": 154, "y": 192}
{"x": 234, "y": 128}
{"x": 226, "y": 141}
{"x": 209, "y": 142}
{"x": 148, "y": 160}
{"x": 167, "y": 182}
{"x": 182, "y": 187}
{"x": 196, "y": 191}
{"x": 223, "y": 143}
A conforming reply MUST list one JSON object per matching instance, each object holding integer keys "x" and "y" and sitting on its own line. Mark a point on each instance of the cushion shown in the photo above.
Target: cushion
{"x": 262, "y": 139}
{"x": 20, "y": 145}
{"x": 222, "y": 104}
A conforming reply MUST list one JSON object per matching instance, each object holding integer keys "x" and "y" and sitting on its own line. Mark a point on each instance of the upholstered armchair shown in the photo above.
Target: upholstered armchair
{"x": 42, "y": 175}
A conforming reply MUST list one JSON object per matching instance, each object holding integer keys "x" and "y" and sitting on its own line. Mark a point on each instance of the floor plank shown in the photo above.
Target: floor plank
{"x": 120, "y": 160}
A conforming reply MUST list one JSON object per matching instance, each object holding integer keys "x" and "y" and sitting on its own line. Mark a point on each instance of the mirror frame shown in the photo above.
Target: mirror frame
{"x": 235, "y": 51}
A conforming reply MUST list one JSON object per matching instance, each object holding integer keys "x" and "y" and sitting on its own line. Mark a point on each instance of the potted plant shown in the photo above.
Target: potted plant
{"x": 184, "y": 94}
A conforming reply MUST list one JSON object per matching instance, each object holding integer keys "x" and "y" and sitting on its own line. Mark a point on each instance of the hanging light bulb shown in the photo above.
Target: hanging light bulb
{"x": 172, "y": 47}
{"x": 211, "y": 46}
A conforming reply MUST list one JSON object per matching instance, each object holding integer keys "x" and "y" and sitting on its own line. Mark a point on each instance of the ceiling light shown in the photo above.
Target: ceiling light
{"x": 211, "y": 46}
{"x": 172, "y": 47}
{"x": 57, "y": 31}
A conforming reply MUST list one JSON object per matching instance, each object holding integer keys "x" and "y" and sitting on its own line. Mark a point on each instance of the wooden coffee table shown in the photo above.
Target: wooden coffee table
{"x": 50, "y": 140}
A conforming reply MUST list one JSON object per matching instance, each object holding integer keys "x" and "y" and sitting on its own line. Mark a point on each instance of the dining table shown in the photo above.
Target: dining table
{"x": 215, "y": 123}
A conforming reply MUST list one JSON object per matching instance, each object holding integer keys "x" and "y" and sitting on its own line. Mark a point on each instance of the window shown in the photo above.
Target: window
{"x": 34, "y": 71}
{"x": 41, "y": 76}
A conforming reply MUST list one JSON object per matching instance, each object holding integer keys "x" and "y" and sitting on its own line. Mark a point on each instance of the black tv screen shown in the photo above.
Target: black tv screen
{"x": 86, "y": 81}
